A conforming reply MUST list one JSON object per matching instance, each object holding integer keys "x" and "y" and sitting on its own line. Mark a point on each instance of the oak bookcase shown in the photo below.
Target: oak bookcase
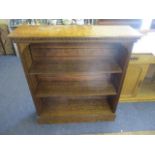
{"x": 75, "y": 73}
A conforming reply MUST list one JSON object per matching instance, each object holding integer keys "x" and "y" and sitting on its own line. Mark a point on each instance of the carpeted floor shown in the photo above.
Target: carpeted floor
{"x": 17, "y": 113}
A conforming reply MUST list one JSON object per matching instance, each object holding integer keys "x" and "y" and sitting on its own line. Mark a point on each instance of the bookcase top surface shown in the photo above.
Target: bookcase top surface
{"x": 74, "y": 31}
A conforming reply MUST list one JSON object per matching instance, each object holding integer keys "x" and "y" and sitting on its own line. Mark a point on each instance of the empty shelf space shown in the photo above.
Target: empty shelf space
{"x": 75, "y": 110}
{"x": 93, "y": 88}
{"x": 68, "y": 67}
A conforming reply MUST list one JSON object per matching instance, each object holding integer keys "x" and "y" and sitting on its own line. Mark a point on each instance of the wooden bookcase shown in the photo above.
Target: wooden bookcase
{"x": 75, "y": 73}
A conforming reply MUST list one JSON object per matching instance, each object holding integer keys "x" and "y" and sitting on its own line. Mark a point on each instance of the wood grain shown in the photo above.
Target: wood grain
{"x": 58, "y": 89}
{"x": 46, "y": 54}
{"x": 75, "y": 110}
{"x": 74, "y": 31}
{"x": 75, "y": 46}
{"x": 82, "y": 64}
{"x": 75, "y": 67}
{"x": 26, "y": 60}
{"x": 66, "y": 77}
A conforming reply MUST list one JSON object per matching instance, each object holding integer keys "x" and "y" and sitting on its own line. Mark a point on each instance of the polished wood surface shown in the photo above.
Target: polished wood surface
{"x": 93, "y": 88}
{"x": 73, "y": 51}
{"x": 26, "y": 60}
{"x": 70, "y": 59}
{"x": 75, "y": 73}
{"x": 76, "y": 77}
{"x": 75, "y": 110}
{"x": 75, "y": 46}
{"x": 75, "y": 67}
{"x": 85, "y": 31}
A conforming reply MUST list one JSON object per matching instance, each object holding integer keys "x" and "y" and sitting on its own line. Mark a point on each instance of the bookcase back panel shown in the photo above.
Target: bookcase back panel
{"x": 74, "y": 51}
{"x": 85, "y": 78}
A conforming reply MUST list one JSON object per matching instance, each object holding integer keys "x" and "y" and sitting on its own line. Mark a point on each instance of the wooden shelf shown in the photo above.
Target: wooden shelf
{"x": 94, "y": 88}
{"x": 71, "y": 110}
{"x": 68, "y": 67}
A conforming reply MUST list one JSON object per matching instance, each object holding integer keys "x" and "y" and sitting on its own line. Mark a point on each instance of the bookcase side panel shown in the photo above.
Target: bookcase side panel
{"x": 26, "y": 61}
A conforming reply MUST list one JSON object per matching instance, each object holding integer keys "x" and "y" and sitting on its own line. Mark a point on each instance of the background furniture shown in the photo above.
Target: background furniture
{"x": 75, "y": 73}
{"x": 139, "y": 83}
{"x": 14, "y": 23}
{"x": 2, "y": 44}
{"x": 6, "y": 47}
{"x": 135, "y": 23}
